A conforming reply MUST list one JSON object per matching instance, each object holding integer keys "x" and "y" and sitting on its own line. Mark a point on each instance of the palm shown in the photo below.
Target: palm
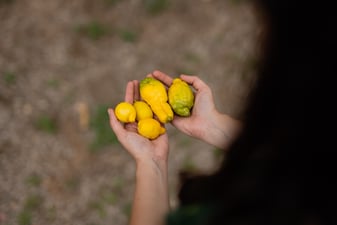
{"x": 202, "y": 109}
{"x": 201, "y": 112}
{"x": 138, "y": 146}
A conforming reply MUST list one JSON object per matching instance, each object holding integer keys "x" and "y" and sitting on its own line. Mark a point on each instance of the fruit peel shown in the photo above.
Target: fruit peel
{"x": 125, "y": 112}
{"x": 153, "y": 92}
{"x": 180, "y": 97}
{"x": 150, "y": 128}
{"x": 143, "y": 110}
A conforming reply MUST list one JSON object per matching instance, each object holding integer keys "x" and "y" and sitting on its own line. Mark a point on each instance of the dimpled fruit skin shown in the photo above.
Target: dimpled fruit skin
{"x": 150, "y": 128}
{"x": 154, "y": 93}
{"x": 125, "y": 112}
{"x": 143, "y": 110}
{"x": 181, "y": 97}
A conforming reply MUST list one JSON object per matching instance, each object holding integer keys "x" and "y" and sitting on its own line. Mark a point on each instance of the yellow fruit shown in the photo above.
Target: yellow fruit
{"x": 125, "y": 112}
{"x": 143, "y": 110}
{"x": 150, "y": 128}
{"x": 181, "y": 97}
{"x": 154, "y": 93}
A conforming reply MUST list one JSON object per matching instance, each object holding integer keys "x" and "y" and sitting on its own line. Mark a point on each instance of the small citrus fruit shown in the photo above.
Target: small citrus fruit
{"x": 150, "y": 128}
{"x": 181, "y": 97}
{"x": 143, "y": 110}
{"x": 125, "y": 112}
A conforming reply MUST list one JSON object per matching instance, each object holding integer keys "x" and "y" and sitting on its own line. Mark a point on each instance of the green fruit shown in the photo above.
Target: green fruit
{"x": 181, "y": 97}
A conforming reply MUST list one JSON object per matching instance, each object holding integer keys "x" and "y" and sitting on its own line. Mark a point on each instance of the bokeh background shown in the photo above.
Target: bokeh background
{"x": 63, "y": 62}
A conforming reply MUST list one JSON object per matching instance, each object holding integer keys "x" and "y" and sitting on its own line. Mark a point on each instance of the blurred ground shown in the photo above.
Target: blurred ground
{"x": 62, "y": 63}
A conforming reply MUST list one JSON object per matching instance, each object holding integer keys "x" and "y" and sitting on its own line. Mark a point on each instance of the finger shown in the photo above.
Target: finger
{"x": 136, "y": 94}
{"x": 166, "y": 79}
{"x": 115, "y": 125}
{"x": 178, "y": 122}
{"x": 195, "y": 81}
{"x": 129, "y": 92}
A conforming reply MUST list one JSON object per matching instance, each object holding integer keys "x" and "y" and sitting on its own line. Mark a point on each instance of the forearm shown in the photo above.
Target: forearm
{"x": 221, "y": 130}
{"x": 151, "y": 201}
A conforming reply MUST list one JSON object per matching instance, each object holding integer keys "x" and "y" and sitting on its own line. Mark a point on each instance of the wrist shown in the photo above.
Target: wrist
{"x": 221, "y": 130}
{"x": 151, "y": 166}
{"x": 151, "y": 198}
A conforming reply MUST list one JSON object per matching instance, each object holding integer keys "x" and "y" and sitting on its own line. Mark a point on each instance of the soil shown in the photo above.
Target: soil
{"x": 63, "y": 62}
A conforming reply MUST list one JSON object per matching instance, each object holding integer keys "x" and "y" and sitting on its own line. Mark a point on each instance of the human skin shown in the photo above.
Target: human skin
{"x": 151, "y": 199}
{"x": 206, "y": 122}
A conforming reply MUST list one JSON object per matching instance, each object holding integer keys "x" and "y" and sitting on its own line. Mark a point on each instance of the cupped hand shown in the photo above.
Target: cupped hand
{"x": 203, "y": 110}
{"x": 140, "y": 148}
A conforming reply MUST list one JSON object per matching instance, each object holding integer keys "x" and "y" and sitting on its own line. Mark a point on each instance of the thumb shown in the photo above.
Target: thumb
{"x": 115, "y": 125}
{"x": 180, "y": 123}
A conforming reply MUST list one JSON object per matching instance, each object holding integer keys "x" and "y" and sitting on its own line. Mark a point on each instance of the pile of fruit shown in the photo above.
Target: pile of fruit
{"x": 157, "y": 106}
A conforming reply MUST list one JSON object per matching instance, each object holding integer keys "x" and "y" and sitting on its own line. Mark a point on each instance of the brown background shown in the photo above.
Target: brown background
{"x": 64, "y": 60}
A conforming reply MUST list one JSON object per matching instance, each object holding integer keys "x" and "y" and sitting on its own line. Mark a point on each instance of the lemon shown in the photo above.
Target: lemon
{"x": 143, "y": 110}
{"x": 125, "y": 112}
{"x": 180, "y": 97}
{"x": 152, "y": 89}
{"x": 150, "y": 128}
{"x": 154, "y": 93}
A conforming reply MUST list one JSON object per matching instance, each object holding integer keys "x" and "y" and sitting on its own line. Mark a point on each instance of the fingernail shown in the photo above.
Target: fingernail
{"x": 109, "y": 111}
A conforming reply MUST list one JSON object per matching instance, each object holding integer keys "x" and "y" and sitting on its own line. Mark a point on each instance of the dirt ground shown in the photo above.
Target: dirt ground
{"x": 62, "y": 63}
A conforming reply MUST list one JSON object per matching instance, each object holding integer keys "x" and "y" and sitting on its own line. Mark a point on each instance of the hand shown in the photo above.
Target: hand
{"x": 202, "y": 111}
{"x": 140, "y": 148}
{"x": 151, "y": 199}
{"x": 205, "y": 122}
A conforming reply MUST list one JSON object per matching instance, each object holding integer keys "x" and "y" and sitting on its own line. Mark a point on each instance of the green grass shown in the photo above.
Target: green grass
{"x": 109, "y": 197}
{"x": 33, "y": 202}
{"x": 34, "y": 180}
{"x": 9, "y": 78}
{"x": 24, "y": 218}
{"x": 51, "y": 214}
{"x": 46, "y": 123}
{"x": 155, "y": 7}
{"x": 127, "y": 209}
{"x": 93, "y": 30}
{"x": 99, "y": 207}
{"x": 99, "y": 124}
{"x": 128, "y": 35}
{"x": 53, "y": 83}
